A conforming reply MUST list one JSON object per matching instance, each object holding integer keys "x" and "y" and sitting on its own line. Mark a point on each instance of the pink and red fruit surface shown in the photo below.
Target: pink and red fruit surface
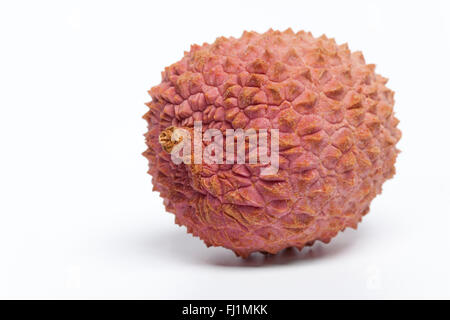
{"x": 337, "y": 139}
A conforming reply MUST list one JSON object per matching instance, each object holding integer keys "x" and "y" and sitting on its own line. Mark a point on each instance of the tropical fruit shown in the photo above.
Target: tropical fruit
{"x": 331, "y": 114}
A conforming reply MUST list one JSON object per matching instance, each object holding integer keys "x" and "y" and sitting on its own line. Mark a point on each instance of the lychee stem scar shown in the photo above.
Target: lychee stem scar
{"x": 167, "y": 139}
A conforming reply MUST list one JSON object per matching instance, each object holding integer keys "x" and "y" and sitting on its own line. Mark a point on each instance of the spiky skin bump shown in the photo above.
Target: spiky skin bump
{"x": 338, "y": 138}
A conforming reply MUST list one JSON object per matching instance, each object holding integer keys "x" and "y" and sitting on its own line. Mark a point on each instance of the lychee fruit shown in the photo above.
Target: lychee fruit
{"x": 333, "y": 117}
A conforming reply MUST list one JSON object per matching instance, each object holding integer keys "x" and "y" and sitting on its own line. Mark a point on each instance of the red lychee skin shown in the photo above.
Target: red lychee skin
{"x": 337, "y": 139}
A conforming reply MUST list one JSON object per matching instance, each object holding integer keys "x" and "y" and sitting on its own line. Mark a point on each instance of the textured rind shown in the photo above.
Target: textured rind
{"x": 338, "y": 138}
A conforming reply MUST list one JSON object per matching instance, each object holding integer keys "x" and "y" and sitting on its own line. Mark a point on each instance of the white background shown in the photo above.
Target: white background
{"x": 78, "y": 218}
